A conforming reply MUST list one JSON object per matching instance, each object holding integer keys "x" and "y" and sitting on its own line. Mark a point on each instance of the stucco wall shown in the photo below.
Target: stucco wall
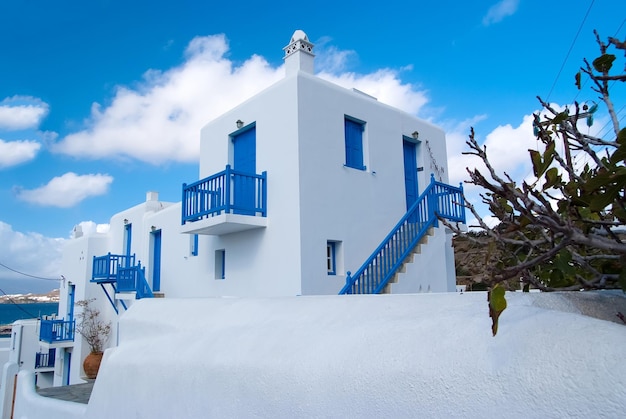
{"x": 426, "y": 355}
{"x": 358, "y": 207}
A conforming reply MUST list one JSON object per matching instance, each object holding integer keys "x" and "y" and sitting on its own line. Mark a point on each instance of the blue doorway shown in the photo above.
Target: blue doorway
{"x": 410, "y": 172}
{"x": 156, "y": 260}
{"x": 244, "y": 162}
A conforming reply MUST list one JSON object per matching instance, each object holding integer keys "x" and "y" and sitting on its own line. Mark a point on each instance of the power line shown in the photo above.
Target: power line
{"x": 29, "y": 275}
{"x": 18, "y": 305}
{"x": 570, "y": 50}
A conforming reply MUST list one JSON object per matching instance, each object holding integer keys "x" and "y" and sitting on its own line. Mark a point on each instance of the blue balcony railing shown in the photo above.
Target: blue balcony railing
{"x": 57, "y": 330}
{"x": 45, "y": 359}
{"x": 105, "y": 267}
{"x": 227, "y": 192}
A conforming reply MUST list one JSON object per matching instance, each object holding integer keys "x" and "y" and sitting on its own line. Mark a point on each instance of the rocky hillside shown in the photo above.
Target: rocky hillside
{"x": 50, "y": 297}
{"x": 473, "y": 258}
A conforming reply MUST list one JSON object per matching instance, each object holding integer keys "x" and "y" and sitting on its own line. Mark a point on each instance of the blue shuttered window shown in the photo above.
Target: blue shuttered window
{"x": 354, "y": 143}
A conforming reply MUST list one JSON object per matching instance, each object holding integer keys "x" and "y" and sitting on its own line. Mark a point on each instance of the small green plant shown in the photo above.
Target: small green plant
{"x": 95, "y": 331}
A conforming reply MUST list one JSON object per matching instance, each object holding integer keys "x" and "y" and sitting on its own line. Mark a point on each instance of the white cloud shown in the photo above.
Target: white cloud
{"x": 16, "y": 152}
{"x": 333, "y": 60}
{"x": 507, "y": 150}
{"x": 67, "y": 190}
{"x": 384, "y": 85}
{"x": 160, "y": 120}
{"x": 89, "y": 228}
{"x": 22, "y": 112}
{"x": 499, "y": 11}
{"x": 31, "y": 253}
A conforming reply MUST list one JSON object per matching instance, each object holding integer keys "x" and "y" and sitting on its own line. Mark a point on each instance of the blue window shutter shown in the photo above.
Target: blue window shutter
{"x": 194, "y": 245}
{"x": 354, "y": 144}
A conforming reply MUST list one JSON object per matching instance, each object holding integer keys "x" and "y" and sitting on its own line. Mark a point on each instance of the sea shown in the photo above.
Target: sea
{"x": 11, "y": 312}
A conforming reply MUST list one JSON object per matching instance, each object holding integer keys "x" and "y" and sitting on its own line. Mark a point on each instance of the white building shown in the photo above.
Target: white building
{"x": 299, "y": 185}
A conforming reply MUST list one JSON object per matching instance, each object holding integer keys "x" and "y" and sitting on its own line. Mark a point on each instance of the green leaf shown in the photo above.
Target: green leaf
{"x": 552, "y": 178}
{"x": 497, "y": 304}
{"x": 535, "y": 157}
{"x": 560, "y": 117}
{"x": 603, "y": 63}
{"x": 599, "y": 202}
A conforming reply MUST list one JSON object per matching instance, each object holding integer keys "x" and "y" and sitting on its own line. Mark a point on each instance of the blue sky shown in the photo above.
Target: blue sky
{"x": 102, "y": 101}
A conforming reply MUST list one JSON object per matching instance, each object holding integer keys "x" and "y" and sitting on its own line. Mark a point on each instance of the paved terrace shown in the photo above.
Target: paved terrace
{"x": 78, "y": 393}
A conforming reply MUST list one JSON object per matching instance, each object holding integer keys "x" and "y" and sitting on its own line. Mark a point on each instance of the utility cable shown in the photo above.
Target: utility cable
{"x": 29, "y": 275}
{"x": 31, "y": 315}
{"x": 580, "y": 27}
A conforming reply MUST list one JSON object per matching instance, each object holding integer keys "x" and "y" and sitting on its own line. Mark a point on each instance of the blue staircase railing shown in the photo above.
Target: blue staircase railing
{"x": 133, "y": 278}
{"x": 122, "y": 274}
{"x": 228, "y": 191}
{"x": 438, "y": 200}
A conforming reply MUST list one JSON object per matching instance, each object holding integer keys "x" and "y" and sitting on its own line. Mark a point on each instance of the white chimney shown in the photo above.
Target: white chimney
{"x": 152, "y": 196}
{"x": 299, "y": 54}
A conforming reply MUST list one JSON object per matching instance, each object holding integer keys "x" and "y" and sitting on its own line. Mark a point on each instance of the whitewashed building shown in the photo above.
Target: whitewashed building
{"x": 307, "y": 188}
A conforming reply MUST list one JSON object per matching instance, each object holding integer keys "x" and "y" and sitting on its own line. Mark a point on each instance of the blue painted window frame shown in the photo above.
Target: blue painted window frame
{"x": 128, "y": 234}
{"x": 353, "y": 130}
{"x": 331, "y": 258}
{"x": 193, "y": 243}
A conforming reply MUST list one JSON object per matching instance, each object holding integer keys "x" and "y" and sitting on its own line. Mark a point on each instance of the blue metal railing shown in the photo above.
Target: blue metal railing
{"x": 45, "y": 359}
{"x": 133, "y": 278}
{"x": 52, "y": 331}
{"x": 228, "y": 191}
{"x": 105, "y": 267}
{"x": 438, "y": 200}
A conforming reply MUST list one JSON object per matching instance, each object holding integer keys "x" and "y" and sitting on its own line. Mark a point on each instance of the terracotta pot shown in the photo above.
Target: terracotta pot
{"x": 91, "y": 364}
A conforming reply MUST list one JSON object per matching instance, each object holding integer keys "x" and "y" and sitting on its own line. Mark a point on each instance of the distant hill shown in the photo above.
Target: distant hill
{"x": 49, "y": 297}
{"x": 474, "y": 258}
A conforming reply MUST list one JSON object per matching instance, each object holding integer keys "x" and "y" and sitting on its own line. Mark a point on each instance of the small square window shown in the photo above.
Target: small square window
{"x": 220, "y": 264}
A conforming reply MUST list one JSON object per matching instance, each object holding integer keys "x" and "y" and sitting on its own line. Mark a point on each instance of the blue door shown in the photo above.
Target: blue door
{"x": 67, "y": 362}
{"x": 156, "y": 260}
{"x": 244, "y": 162}
{"x": 410, "y": 172}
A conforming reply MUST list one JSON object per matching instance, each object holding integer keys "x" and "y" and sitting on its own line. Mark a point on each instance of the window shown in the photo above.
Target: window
{"x": 193, "y": 245}
{"x": 331, "y": 259}
{"x": 354, "y": 142}
{"x": 128, "y": 232}
{"x": 220, "y": 264}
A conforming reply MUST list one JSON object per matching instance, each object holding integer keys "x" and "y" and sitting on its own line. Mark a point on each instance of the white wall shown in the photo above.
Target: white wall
{"x": 358, "y": 207}
{"x": 28, "y": 404}
{"x": 264, "y": 261}
{"x": 423, "y": 355}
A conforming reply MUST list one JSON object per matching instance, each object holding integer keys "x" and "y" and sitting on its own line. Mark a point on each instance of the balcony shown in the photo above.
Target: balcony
{"x": 105, "y": 267}
{"x": 225, "y": 203}
{"x": 45, "y": 360}
{"x": 56, "y": 332}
